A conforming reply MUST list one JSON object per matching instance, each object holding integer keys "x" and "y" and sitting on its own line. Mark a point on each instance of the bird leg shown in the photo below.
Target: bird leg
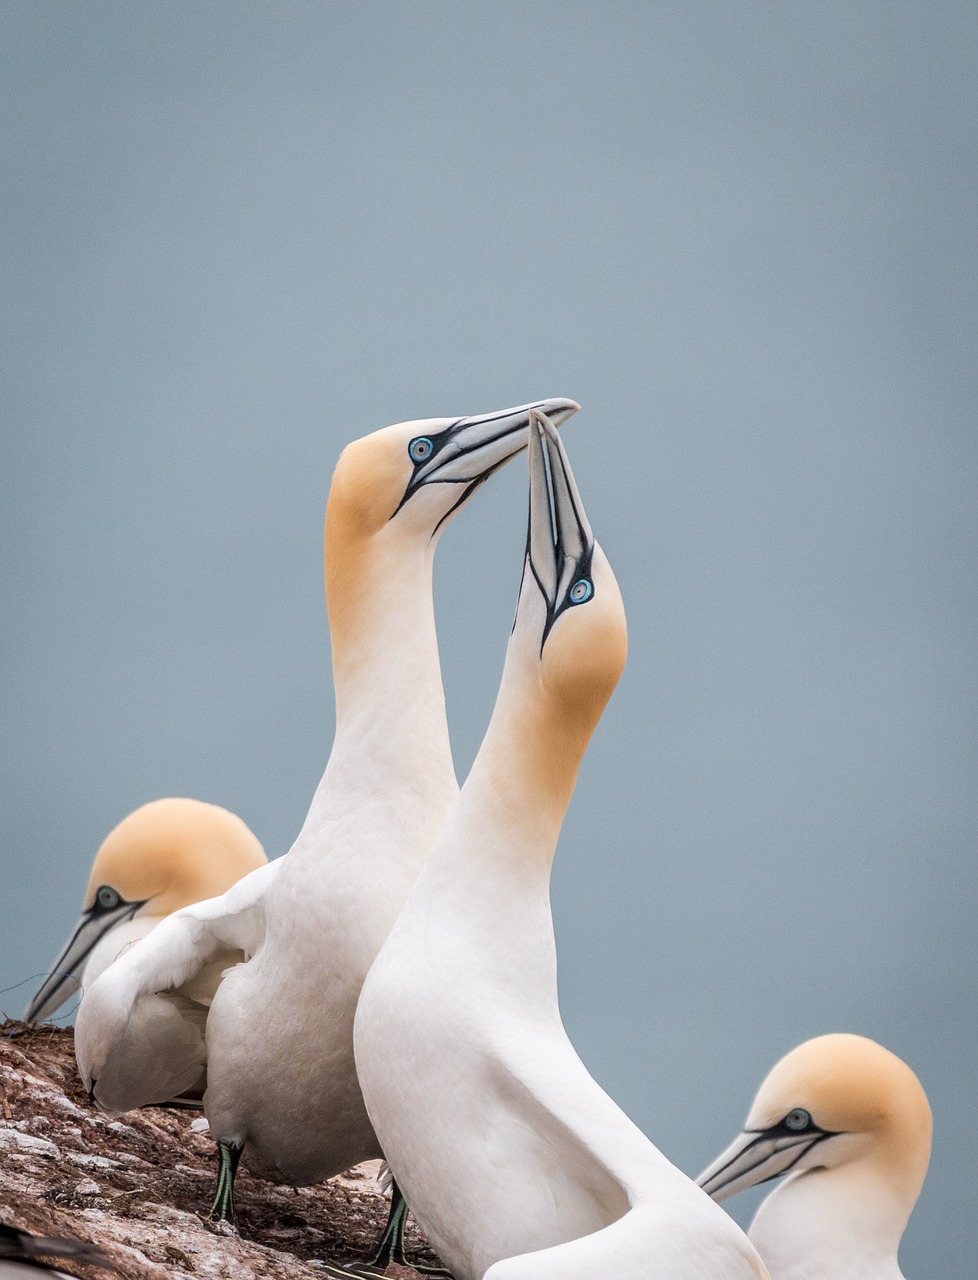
{"x": 222, "y": 1210}
{"x": 390, "y": 1246}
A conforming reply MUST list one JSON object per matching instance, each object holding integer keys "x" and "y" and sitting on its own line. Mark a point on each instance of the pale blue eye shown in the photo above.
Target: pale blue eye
{"x": 107, "y": 898}
{"x": 581, "y": 590}
{"x": 420, "y": 449}
{"x": 797, "y": 1119}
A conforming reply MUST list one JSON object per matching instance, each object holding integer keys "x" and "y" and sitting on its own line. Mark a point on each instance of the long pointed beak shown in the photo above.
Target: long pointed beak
{"x": 66, "y": 972}
{"x": 468, "y": 451}
{"x": 755, "y": 1157}
{"x": 559, "y": 541}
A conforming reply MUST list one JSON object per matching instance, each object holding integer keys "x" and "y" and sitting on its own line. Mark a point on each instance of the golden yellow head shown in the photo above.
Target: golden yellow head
{"x": 413, "y": 477}
{"x": 836, "y": 1101}
{"x": 392, "y": 494}
{"x": 166, "y": 855}
{"x": 849, "y": 1084}
{"x": 585, "y": 650}
{"x": 370, "y": 479}
{"x": 170, "y": 853}
{"x": 570, "y": 621}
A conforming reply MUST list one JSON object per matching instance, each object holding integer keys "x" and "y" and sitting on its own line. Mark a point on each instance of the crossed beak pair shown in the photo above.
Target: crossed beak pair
{"x": 469, "y": 450}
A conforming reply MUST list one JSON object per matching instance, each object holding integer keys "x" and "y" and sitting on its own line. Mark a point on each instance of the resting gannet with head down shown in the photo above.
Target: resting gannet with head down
{"x": 514, "y": 1161}
{"x": 282, "y": 1085}
{"x": 850, "y": 1125}
{"x": 163, "y": 856}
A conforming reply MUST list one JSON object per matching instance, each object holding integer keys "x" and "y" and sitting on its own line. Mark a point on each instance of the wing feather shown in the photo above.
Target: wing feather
{"x": 660, "y": 1224}
{"x": 139, "y": 1038}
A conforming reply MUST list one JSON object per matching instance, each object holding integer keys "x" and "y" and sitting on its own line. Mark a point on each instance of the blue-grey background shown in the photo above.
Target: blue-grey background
{"x": 237, "y": 235}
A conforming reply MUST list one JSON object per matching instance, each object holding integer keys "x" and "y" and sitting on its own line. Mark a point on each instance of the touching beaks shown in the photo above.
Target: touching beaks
{"x": 757, "y": 1156}
{"x": 469, "y": 450}
{"x": 560, "y": 544}
{"x": 66, "y": 972}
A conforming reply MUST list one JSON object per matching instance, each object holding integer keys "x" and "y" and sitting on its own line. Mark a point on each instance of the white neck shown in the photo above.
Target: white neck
{"x": 391, "y": 748}
{"x": 488, "y": 876}
{"x": 390, "y": 701}
{"x": 824, "y": 1224}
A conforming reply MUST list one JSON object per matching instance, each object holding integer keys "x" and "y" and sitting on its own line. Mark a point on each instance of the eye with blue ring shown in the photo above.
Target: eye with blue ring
{"x": 583, "y": 589}
{"x": 797, "y": 1120}
{"x": 107, "y": 898}
{"x": 420, "y": 449}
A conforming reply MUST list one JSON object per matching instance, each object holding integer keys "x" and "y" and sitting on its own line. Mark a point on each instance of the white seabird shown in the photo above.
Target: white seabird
{"x": 514, "y": 1161}
{"x": 282, "y": 1085}
{"x": 163, "y": 856}
{"x": 848, "y": 1122}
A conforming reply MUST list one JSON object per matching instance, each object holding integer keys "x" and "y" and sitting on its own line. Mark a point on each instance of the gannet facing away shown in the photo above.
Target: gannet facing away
{"x": 282, "y": 1085}
{"x": 850, "y": 1125}
{"x": 514, "y": 1161}
{"x": 163, "y": 856}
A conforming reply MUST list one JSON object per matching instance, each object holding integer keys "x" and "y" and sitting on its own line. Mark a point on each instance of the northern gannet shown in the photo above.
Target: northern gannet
{"x": 25, "y": 1256}
{"x": 163, "y": 856}
{"x": 282, "y": 1085}
{"x": 514, "y": 1161}
{"x": 850, "y": 1125}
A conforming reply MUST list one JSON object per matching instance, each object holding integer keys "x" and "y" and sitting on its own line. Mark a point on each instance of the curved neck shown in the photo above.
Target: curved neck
{"x": 390, "y": 702}
{"x": 507, "y": 822}
{"x": 830, "y": 1222}
{"x": 526, "y": 770}
{"x": 485, "y": 886}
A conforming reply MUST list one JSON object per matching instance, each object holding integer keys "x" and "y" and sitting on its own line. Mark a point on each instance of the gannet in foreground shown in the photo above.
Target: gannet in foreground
{"x": 282, "y": 1085}
{"x": 849, "y": 1122}
{"x": 165, "y": 855}
{"x": 24, "y": 1256}
{"x": 514, "y": 1161}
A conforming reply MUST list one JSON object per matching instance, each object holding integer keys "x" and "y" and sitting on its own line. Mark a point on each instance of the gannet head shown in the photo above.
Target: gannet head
{"x": 411, "y": 478}
{"x": 569, "y": 636}
{"x": 165, "y": 855}
{"x": 392, "y": 494}
{"x": 832, "y": 1101}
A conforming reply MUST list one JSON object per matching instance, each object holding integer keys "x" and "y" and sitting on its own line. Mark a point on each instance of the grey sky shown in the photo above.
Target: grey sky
{"x": 237, "y": 235}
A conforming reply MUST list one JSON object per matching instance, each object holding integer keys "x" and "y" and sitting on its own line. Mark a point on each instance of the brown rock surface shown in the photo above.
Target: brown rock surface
{"x": 138, "y": 1186}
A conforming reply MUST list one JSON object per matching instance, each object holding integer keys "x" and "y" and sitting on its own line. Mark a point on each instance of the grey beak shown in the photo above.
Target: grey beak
{"x": 467, "y": 452}
{"x": 757, "y": 1156}
{"x": 65, "y": 976}
{"x": 560, "y": 543}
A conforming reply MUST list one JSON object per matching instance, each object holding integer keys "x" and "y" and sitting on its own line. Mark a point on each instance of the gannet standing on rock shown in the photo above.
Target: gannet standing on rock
{"x": 514, "y": 1161}
{"x": 282, "y": 1086}
{"x": 850, "y": 1124}
{"x": 163, "y": 856}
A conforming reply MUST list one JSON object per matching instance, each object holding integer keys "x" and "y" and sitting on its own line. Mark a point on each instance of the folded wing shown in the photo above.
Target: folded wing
{"x": 660, "y": 1227}
{"x": 140, "y": 1030}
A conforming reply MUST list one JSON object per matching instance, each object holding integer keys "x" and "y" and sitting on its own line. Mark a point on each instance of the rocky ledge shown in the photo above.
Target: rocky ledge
{"x": 138, "y": 1186}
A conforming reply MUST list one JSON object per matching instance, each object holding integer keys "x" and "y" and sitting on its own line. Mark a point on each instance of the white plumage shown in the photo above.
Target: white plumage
{"x": 514, "y": 1161}
{"x": 279, "y": 1044}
